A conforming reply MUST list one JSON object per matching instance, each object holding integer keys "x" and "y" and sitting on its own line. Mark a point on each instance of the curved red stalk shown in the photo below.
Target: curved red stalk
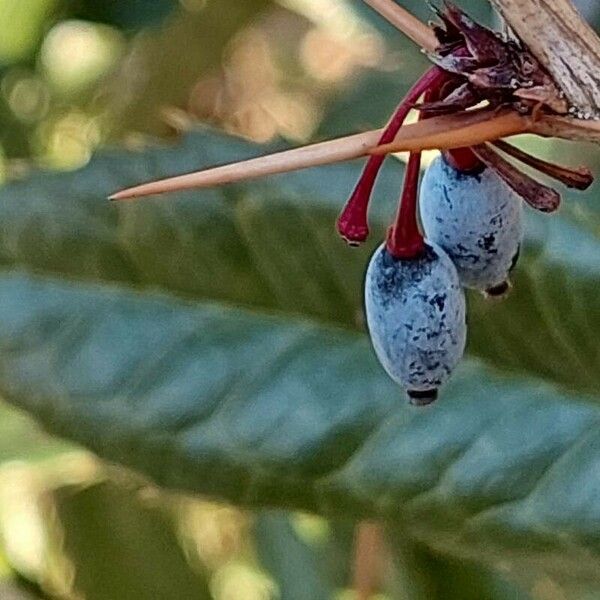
{"x": 352, "y": 223}
{"x": 405, "y": 240}
{"x": 463, "y": 160}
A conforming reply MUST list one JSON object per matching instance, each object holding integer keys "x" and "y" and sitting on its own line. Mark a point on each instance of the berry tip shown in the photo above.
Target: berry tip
{"x": 422, "y": 397}
{"x": 499, "y": 292}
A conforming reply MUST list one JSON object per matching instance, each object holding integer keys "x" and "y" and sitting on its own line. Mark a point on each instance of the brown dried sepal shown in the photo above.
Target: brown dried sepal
{"x": 495, "y": 69}
{"x": 536, "y": 194}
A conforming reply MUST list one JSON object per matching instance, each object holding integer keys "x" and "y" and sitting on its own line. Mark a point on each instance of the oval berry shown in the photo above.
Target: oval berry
{"x": 477, "y": 219}
{"x": 415, "y": 312}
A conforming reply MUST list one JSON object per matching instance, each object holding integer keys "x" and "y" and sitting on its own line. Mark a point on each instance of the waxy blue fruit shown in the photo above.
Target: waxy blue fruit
{"x": 477, "y": 219}
{"x": 416, "y": 317}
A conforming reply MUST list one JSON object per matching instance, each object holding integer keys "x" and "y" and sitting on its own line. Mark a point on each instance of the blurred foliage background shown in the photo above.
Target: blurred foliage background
{"x": 76, "y": 75}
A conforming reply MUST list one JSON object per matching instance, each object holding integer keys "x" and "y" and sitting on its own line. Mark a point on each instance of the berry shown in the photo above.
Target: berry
{"x": 477, "y": 219}
{"x": 416, "y": 317}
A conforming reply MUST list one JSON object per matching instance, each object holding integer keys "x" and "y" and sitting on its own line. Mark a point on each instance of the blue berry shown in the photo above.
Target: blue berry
{"x": 416, "y": 317}
{"x": 477, "y": 219}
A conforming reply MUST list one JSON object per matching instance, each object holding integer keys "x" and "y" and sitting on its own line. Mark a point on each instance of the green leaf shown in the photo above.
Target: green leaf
{"x": 122, "y": 546}
{"x": 280, "y": 411}
{"x": 214, "y": 342}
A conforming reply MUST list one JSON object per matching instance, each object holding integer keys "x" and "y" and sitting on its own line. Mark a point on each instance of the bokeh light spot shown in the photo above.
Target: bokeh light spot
{"x": 27, "y": 97}
{"x": 239, "y": 581}
{"x": 67, "y": 142}
{"x": 75, "y": 54}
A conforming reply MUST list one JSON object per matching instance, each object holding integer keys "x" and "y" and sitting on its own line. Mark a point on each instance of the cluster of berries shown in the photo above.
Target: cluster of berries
{"x": 470, "y": 205}
{"x": 470, "y": 201}
{"x": 415, "y": 304}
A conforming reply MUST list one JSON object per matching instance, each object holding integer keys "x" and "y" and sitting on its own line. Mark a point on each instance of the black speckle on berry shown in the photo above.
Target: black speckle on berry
{"x": 438, "y": 300}
{"x": 446, "y": 198}
{"x": 515, "y": 259}
{"x": 487, "y": 241}
{"x": 392, "y": 279}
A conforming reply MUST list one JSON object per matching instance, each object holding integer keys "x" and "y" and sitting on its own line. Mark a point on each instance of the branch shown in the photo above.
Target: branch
{"x": 564, "y": 43}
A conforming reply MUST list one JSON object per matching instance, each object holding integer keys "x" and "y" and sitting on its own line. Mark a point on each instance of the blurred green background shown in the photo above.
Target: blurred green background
{"x": 78, "y": 75}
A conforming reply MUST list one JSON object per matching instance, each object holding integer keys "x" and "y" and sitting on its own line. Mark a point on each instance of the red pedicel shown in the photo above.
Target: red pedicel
{"x": 352, "y": 223}
{"x": 405, "y": 240}
{"x": 464, "y": 160}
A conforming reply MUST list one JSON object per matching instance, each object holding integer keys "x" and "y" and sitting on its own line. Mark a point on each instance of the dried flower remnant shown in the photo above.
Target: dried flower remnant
{"x": 496, "y": 69}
